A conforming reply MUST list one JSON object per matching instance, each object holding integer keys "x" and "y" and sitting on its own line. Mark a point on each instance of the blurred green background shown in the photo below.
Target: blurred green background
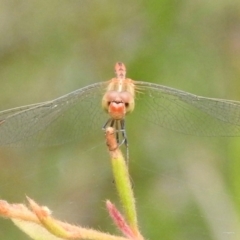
{"x": 186, "y": 187}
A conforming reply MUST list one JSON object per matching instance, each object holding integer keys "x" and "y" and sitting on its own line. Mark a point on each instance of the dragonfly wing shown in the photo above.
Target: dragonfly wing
{"x": 9, "y": 112}
{"x": 188, "y": 113}
{"x": 70, "y": 117}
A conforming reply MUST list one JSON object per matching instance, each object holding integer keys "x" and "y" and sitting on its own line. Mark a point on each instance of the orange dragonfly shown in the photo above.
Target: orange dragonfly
{"x": 78, "y": 114}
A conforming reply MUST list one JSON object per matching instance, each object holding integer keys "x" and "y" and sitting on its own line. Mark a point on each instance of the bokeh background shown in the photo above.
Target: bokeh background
{"x": 186, "y": 187}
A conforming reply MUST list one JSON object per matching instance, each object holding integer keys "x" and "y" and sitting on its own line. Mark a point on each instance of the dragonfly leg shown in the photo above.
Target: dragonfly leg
{"x": 119, "y": 126}
{"x": 124, "y": 135}
{"x": 117, "y": 131}
{"x": 114, "y": 124}
{"x": 123, "y": 130}
{"x": 105, "y": 124}
{"x": 109, "y": 122}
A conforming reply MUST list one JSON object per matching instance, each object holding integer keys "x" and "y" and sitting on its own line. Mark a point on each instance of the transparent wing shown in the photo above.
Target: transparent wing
{"x": 187, "y": 113}
{"x": 74, "y": 116}
{"x": 9, "y": 112}
{"x": 79, "y": 116}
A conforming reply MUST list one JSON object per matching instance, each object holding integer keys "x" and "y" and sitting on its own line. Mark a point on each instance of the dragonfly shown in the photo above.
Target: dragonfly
{"x": 83, "y": 112}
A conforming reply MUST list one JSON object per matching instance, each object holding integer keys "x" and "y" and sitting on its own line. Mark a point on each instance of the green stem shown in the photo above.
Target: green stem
{"x": 124, "y": 188}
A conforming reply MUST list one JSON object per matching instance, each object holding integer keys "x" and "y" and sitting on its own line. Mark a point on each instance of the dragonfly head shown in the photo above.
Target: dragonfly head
{"x": 118, "y": 104}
